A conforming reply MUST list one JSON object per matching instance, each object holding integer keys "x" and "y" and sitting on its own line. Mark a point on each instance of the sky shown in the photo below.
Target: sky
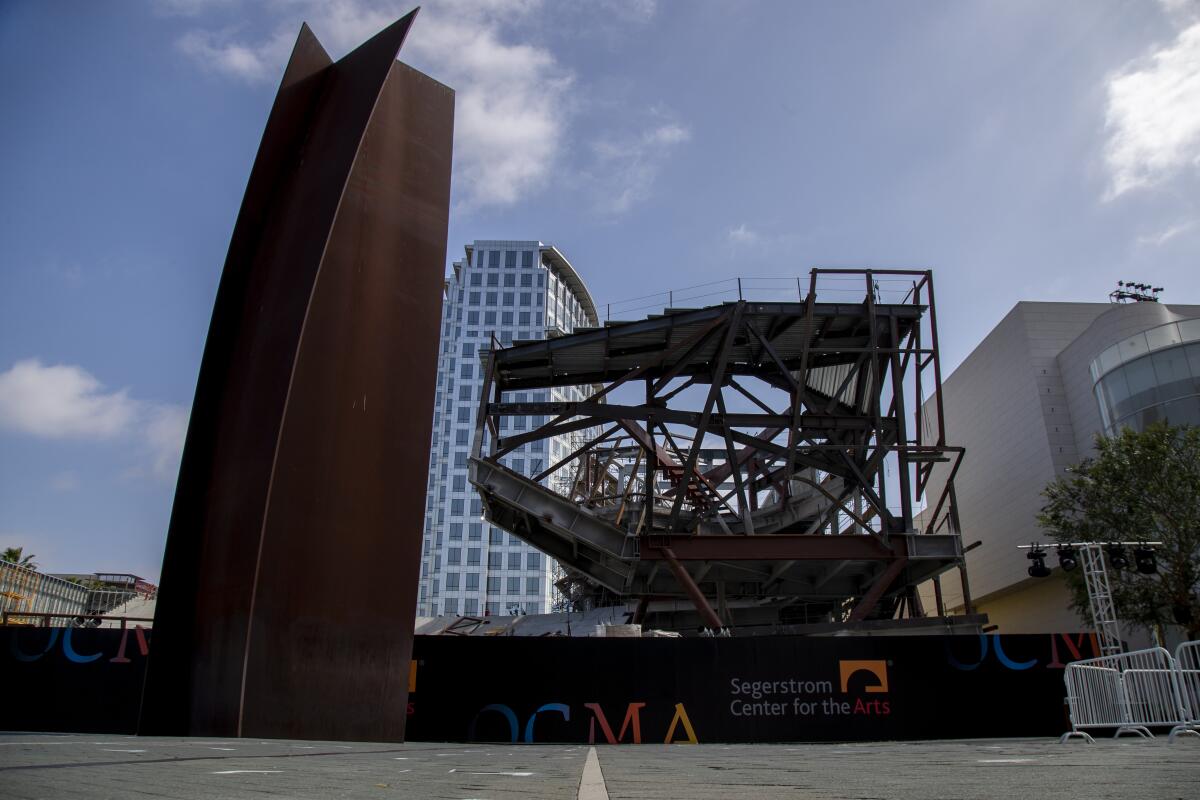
{"x": 1021, "y": 150}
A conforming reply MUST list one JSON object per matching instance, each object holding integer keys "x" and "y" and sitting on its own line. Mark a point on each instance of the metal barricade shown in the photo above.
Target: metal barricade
{"x": 1130, "y": 692}
{"x": 1187, "y": 666}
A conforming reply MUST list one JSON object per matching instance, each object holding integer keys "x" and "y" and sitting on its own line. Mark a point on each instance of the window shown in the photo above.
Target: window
{"x": 467, "y": 371}
{"x": 460, "y": 436}
{"x": 456, "y": 529}
{"x": 514, "y": 560}
{"x": 509, "y": 298}
{"x": 464, "y": 414}
{"x": 510, "y": 258}
{"x": 493, "y": 279}
{"x": 532, "y": 586}
{"x": 489, "y": 318}
{"x": 527, "y": 258}
{"x": 473, "y": 557}
{"x": 465, "y": 393}
{"x": 472, "y": 581}
{"x": 533, "y": 561}
{"x": 493, "y": 586}
{"x": 494, "y": 560}
{"x": 468, "y": 349}
{"x": 456, "y": 505}
{"x": 476, "y": 508}
{"x": 474, "y": 298}
{"x": 451, "y": 604}
{"x": 510, "y": 280}
{"x": 496, "y": 536}
{"x": 494, "y": 258}
{"x": 451, "y": 581}
{"x": 513, "y": 586}
{"x": 474, "y": 529}
{"x": 454, "y": 556}
{"x": 493, "y": 609}
{"x": 506, "y": 318}
{"x": 492, "y": 298}
{"x": 524, "y": 318}
{"x": 476, "y": 279}
{"x": 526, "y": 281}
{"x": 460, "y": 456}
{"x": 470, "y": 606}
{"x": 472, "y": 317}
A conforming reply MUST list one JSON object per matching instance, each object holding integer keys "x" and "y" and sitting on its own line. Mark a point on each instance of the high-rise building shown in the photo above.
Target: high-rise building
{"x": 1026, "y": 404}
{"x": 500, "y": 291}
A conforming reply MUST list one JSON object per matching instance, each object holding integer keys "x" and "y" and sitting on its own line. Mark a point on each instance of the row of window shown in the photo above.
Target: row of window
{"x": 492, "y": 258}
{"x": 493, "y": 609}
{"x": 470, "y": 583}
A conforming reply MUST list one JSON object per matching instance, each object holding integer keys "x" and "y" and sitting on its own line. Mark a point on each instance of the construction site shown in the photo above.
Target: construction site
{"x": 743, "y": 468}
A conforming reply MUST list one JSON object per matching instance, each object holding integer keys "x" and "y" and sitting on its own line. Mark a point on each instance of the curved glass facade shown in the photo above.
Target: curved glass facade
{"x": 1150, "y": 376}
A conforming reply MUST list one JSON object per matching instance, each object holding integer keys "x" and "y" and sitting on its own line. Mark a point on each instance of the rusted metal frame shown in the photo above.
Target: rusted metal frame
{"x": 919, "y": 399}
{"x": 718, "y": 376}
{"x": 689, "y": 382}
{"x": 701, "y": 340}
{"x": 901, "y": 438}
{"x": 722, "y": 471}
{"x": 482, "y": 417}
{"x": 829, "y": 574}
{"x": 937, "y": 361}
{"x": 703, "y": 482}
{"x": 770, "y": 350}
{"x": 938, "y": 603}
{"x": 876, "y": 388}
{"x": 838, "y": 504}
{"x": 693, "y": 591}
{"x": 968, "y": 605}
{"x": 739, "y": 487}
{"x": 628, "y": 489}
{"x": 948, "y": 487}
{"x": 859, "y": 271}
{"x": 775, "y": 547}
{"x": 810, "y": 334}
{"x": 587, "y": 446}
{"x": 652, "y": 462}
{"x": 851, "y": 375}
{"x": 503, "y": 447}
{"x": 871, "y": 599}
{"x": 745, "y": 393}
{"x": 871, "y": 467}
{"x": 603, "y": 475}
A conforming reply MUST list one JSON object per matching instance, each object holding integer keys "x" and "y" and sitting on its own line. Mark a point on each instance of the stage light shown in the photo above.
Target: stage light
{"x": 1117, "y": 557}
{"x": 1038, "y": 568}
{"x": 1145, "y": 560}
{"x": 1067, "y": 557}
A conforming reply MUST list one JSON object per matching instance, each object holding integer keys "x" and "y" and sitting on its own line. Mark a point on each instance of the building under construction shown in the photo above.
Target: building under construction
{"x": 749, "y": 466}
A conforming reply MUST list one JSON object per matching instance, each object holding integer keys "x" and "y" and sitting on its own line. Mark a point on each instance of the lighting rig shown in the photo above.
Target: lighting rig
{"x": 1070, "y": 554}
{"x": 1131, "y": 292}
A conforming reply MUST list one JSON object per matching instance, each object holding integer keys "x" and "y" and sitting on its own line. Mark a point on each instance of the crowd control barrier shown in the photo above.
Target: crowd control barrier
{"x": 1133, "y": 692}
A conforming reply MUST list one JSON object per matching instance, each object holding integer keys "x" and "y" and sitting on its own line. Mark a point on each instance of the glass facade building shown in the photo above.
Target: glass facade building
{"x": 512, "y": 291}
{"x": 1150, "y": 376}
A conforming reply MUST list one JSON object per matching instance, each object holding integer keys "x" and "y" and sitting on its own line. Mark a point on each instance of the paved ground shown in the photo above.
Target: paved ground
{"x": 57, "y": 766}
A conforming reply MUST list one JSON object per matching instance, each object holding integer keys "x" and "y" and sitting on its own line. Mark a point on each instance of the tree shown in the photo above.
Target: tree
{"x": 1140, "y": 487}
{"x": 16, "y": 556}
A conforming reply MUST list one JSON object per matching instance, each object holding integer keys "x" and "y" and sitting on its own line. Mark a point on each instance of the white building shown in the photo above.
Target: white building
{"x": 512, "y": 290}
{"x": 1026, "y": 405}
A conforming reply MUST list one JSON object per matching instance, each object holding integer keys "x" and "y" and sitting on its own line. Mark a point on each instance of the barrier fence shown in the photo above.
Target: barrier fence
{"x": 1133, "y": 692}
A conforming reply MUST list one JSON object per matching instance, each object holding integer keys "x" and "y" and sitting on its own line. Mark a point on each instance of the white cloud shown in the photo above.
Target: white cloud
{"x": 61, "y": 402}
{"x": 1153, "y": 115}
{"x": 166, "y": 428}
{"x": 626, "y": 166}
{"x": 741, "y": 235}
{"x": 67, "y": 402}
{"x": 512, "y": 101}
{"x": 1167, "y": 234}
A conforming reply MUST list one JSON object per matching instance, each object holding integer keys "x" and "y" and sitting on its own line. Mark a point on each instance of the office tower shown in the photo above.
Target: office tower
{"x": 500, "y": 291}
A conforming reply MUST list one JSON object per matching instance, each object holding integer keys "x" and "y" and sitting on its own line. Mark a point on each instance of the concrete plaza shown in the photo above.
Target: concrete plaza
{"x": 97, "y": 766}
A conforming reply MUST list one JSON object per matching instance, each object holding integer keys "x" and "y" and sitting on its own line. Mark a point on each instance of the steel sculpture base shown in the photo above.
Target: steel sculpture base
{"x": 289, "y": 581}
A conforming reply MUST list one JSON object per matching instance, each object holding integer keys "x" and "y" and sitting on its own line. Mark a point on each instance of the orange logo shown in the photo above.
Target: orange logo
{"x": 876, "y": 668}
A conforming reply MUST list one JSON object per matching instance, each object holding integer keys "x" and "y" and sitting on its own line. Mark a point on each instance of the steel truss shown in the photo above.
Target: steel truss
{"x": 743, "y": 453}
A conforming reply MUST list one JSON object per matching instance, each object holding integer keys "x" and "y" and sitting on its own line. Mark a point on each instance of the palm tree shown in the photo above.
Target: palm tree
{"x": 16, "y": 556}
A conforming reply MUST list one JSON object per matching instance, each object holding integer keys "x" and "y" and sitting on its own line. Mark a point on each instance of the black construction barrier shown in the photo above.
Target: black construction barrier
{"x": 85, "y": 680}
{"x": 514, "y": 689}
{"x": 769, "y": 689}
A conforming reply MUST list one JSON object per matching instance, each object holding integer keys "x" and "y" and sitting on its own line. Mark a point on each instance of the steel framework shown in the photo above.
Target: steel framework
{"x": 742, "y": 453}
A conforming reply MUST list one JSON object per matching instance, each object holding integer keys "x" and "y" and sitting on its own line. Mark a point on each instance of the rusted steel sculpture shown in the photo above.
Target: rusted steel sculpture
{"x": 289, "y": 580}
{"x": 782, "y": 495}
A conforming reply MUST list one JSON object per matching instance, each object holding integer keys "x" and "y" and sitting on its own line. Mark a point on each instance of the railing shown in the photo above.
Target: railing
{"x": 77, "y": 620}
{"x": 1131, "y": 693}
{"x": 25, "y": 591}
{"x": 888, "y": 288}
{"x": 1187, "y": 666}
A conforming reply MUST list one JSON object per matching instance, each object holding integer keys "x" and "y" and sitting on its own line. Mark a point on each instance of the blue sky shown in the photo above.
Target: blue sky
{"x": 1023, "y": 150}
